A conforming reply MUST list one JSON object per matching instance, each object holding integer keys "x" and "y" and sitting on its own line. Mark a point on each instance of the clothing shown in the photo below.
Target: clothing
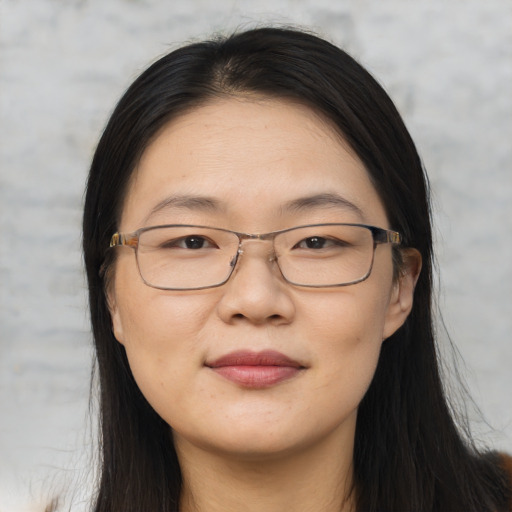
{"x": 506, "y": 464}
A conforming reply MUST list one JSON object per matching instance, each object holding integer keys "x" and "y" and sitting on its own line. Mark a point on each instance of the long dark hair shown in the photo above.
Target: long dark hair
{"x": 409, "y": 453}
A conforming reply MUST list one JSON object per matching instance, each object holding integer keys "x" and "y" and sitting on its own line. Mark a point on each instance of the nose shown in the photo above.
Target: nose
{"x": 256, "y": 291}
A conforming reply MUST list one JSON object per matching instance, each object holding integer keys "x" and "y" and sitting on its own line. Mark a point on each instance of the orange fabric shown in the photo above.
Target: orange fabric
{"x": 506, "y": 463}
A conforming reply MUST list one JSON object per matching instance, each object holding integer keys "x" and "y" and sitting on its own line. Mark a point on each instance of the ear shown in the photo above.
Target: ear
{"x": 115, "y": 315}
{"x": 401, "y": 300}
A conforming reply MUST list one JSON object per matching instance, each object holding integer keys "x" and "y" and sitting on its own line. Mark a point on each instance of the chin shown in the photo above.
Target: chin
{"x": 263, "y": 449}
{"x": 256, "y": 441}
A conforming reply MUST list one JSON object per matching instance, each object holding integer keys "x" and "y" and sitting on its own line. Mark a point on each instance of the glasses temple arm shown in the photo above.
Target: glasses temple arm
{"x": 123, "y": 239}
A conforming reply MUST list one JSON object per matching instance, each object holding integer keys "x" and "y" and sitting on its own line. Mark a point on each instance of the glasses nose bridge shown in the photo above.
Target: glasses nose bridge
{"x": 263, "y": 237}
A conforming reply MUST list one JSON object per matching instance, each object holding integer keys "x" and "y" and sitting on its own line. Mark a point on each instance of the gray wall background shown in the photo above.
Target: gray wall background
{"x": 63, "y": 64}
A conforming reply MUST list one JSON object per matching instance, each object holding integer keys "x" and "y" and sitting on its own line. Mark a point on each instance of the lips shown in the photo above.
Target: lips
{"x": 256, "y": 369}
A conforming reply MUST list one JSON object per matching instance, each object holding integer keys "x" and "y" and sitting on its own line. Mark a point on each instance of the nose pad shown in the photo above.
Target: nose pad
{"x": 271, "y": 258}
{"x": 233, "y": 261}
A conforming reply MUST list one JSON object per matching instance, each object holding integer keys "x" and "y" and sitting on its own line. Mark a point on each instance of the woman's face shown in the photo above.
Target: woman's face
{"x": 254, "y": 166}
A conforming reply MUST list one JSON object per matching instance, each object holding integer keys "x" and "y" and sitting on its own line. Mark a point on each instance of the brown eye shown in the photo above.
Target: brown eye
{"x": 318, "y": 242}
{"x": 195, "y": 242}
{"x": 313, "y": 242}
{"x": 192, "y": 242}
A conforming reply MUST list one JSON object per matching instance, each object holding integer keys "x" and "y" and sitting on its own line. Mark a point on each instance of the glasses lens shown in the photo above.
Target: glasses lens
{"x": 191, "y": 257}
{"x": 184, "y": 257}
{"x": 325, "y": 255}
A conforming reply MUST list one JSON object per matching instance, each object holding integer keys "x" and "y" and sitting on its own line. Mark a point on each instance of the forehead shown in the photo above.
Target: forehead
{"x": 246, "y": 157}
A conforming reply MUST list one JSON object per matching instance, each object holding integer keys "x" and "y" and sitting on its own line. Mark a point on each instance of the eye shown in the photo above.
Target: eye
{"x": 317, "y": 242}
{"x": 193, "y": 242}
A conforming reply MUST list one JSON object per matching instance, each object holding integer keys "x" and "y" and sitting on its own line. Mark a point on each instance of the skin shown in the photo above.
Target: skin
{"x": 286, "y": 447}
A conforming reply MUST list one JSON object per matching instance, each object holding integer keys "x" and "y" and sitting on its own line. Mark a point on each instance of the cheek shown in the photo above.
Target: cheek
{"x": 155, "y": 327}
{"x": 165, "y": 353}
{"x": 161, "y": 333}
{"x": 150, "y": 318}
{"x": 346, "y": 332}
{"x": 347, "y": 319}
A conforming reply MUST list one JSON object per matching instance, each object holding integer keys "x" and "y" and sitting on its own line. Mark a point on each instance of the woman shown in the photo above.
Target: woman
{"x": 258, "y": 249}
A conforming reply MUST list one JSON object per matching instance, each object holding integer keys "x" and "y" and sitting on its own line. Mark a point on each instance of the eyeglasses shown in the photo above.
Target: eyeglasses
{"x": 188, "y": 257}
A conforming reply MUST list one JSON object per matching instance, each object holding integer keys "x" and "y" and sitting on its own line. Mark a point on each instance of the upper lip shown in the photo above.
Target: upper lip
{"x": 249, "y": 358}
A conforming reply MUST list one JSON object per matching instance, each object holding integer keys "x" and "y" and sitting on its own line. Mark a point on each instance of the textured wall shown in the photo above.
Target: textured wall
{"x": 446, "y": 63}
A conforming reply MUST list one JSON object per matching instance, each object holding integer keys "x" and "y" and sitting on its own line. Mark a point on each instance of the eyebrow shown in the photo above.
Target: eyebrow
{"x": 302, "y": 204}
{"x": 187, "y": 202}
{"x": 325, "y": 200}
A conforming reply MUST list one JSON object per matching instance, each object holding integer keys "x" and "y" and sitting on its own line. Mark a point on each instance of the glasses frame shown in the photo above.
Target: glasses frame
{"x": 379, "y": 235}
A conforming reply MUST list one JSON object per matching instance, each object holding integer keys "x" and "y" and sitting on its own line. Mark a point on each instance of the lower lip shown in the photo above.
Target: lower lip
{"x": 257, "y": 376}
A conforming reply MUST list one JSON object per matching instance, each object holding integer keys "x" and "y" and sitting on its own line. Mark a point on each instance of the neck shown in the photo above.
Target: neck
{"x": 315, "y": 479}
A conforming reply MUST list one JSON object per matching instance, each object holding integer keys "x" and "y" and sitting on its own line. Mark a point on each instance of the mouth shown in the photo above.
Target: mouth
{"x": 256, "y": 370}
